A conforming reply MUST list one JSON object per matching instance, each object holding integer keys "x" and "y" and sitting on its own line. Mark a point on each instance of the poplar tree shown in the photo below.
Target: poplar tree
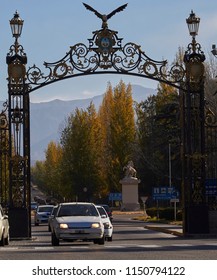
{"x": 81, "y": 152}
{"x": 117, "y": 116}
{"x": 53, "y": 156}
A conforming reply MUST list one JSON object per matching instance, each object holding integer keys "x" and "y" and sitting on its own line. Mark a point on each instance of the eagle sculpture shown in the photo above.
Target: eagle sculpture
{"x": 103, "y": 17}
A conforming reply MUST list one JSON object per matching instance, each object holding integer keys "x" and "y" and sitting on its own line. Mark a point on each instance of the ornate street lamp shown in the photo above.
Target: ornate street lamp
{"x": 16, "y": 24}
{"x": 19, "y": 136}
{"x": 193, "y": 24}
{"x": 193, "y": 136}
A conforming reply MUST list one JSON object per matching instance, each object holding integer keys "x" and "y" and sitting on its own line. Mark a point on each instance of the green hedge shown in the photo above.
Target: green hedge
{"x": 164, "y": 213}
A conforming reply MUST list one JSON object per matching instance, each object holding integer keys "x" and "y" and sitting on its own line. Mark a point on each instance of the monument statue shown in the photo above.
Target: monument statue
{"x": 129, "y": 169}
{"x": 130, "y": 198}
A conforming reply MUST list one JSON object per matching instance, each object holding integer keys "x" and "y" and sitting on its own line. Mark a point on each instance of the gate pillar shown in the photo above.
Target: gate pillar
{"x": 19, "y": 137}
{"x": 195, "y": 218}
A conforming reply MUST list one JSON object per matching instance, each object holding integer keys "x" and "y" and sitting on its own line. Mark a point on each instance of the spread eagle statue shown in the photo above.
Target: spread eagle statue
{"x": 103, "y": 17}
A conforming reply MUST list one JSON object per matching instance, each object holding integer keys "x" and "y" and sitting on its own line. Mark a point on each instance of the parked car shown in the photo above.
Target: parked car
{"x": 108, "y": 210}
{"x": 4, "y": 228}
{"x": 108, "y": 227}
{"x": 42, "y": 214}
{"x": 34, "y": 205}
{"x": 77, "y": 221}
{"x": 51, "y": 217}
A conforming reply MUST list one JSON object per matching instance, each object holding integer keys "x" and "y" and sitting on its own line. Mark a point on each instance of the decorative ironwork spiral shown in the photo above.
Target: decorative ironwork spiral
{"x": 210, "y": 118}
{"x": 150, "y": 68}
{"x": 177, "y": 73}
{"x": 3, "y": 116}
{"x": 128, "y": 59}
{"x": 82, "y": 59}
{"x": 35, "y": 75}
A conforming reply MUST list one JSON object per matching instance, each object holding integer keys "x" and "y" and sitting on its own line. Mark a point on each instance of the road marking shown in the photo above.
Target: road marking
{"x": 211, "y": 244}
{"x": 115, "y": 246}
{"x": 76, "y": 248}
{"x": 149, "y": 246}
{"x": 182, "y": 245}
{"x": 79, "y": 247}
{"x": 9, "y": 248}
{"x": 43, "y": 248}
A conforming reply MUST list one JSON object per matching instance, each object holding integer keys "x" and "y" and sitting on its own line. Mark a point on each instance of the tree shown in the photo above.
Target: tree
{"x": 117, "y": 119}
{"x": 81, "y": 143}
{"x": 53, "y": 156}
{"x": 158, "y": 127}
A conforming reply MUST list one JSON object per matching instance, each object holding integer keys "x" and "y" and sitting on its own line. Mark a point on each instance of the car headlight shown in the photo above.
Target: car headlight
{"x": 63, "y": 226}
{"x": 95, "y": 225}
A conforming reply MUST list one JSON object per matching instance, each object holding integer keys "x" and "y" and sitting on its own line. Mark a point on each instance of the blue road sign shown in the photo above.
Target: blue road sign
{"x": 115, "y": 196}
{"x": 211, "y": 186}
{"x": 164, "y": 193}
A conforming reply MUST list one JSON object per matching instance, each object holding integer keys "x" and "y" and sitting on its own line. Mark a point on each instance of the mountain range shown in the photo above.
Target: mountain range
{"x": 47, "y": 118}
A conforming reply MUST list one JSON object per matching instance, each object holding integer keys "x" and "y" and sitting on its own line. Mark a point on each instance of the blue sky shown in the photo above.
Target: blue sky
{"x": 52, "y": 26}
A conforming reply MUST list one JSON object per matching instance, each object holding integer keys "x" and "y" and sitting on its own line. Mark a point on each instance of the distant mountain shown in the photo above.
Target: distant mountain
{"x": 47, "y": 118}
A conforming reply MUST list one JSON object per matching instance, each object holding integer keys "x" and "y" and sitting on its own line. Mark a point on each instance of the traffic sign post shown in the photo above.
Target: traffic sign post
{"x": 115, "y": 197}
{"x": 166, "y": 193}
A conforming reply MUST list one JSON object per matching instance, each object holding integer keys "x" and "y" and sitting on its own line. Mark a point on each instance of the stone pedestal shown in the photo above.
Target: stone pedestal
{"x": 130, "y": 197}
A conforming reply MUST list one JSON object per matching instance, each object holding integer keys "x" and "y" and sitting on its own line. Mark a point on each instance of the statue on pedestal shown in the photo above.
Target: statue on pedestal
{"x": 129, "y": 169}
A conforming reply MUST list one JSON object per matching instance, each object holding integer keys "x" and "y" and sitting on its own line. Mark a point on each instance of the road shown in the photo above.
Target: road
{"x": 131, "y": 241}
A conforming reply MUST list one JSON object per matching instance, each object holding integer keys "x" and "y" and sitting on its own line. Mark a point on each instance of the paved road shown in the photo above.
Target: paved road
{"x": 131, "y": 240}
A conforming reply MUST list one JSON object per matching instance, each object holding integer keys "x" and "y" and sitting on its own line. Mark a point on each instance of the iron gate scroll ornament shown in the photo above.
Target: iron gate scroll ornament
{"x": 105, "y": 54}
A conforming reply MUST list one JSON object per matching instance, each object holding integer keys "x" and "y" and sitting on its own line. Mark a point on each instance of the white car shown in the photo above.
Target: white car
{"x": 4, "y": 228}
{"x": 77, "y": 221}
{"x": 108, "y": 227}
{"x": 42, "y": 214}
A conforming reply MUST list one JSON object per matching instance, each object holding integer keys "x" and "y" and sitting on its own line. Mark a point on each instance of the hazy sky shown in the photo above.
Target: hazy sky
{"x": 52, "y": 26}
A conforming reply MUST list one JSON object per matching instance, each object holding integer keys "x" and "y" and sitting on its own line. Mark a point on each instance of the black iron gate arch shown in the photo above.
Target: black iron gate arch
{"x": 105, "y": 54}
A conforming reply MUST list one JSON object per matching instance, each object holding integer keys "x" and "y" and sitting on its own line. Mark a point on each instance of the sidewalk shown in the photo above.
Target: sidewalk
{"x": 166, "y": 228}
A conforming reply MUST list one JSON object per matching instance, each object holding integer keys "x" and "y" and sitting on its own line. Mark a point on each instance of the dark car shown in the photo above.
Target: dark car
{"x": 108, "y": 210}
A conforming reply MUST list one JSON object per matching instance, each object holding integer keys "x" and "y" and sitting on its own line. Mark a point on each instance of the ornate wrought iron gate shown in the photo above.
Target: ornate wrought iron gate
{"x": 106, "y": 54}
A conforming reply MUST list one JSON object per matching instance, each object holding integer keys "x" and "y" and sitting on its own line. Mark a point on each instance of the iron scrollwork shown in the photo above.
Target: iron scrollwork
{"x": 3, "y": 117}
{"x": 105, "y": 53}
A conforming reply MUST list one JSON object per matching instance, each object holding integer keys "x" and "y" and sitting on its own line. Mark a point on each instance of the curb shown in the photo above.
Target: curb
{"x": 165, "y": 230}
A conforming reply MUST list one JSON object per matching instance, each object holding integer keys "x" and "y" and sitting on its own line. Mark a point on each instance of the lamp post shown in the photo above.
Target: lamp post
{"x": 195, "y": 218}
{"x": 19, "y": 136}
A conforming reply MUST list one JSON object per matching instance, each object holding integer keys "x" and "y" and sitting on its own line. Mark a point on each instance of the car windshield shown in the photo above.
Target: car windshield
{"x": 77, "y": 210}
{"x": 45, "y": 209}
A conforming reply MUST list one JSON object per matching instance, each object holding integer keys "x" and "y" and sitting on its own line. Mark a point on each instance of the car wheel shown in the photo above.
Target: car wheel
{"x": 7, "y": 240}
{"x": 101, "y": 241}
{"x": 36, "y": 224}
{"x": 109, "y": 238}
{"x": 2, "y": 241}
{"x": 54, "y": 240}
